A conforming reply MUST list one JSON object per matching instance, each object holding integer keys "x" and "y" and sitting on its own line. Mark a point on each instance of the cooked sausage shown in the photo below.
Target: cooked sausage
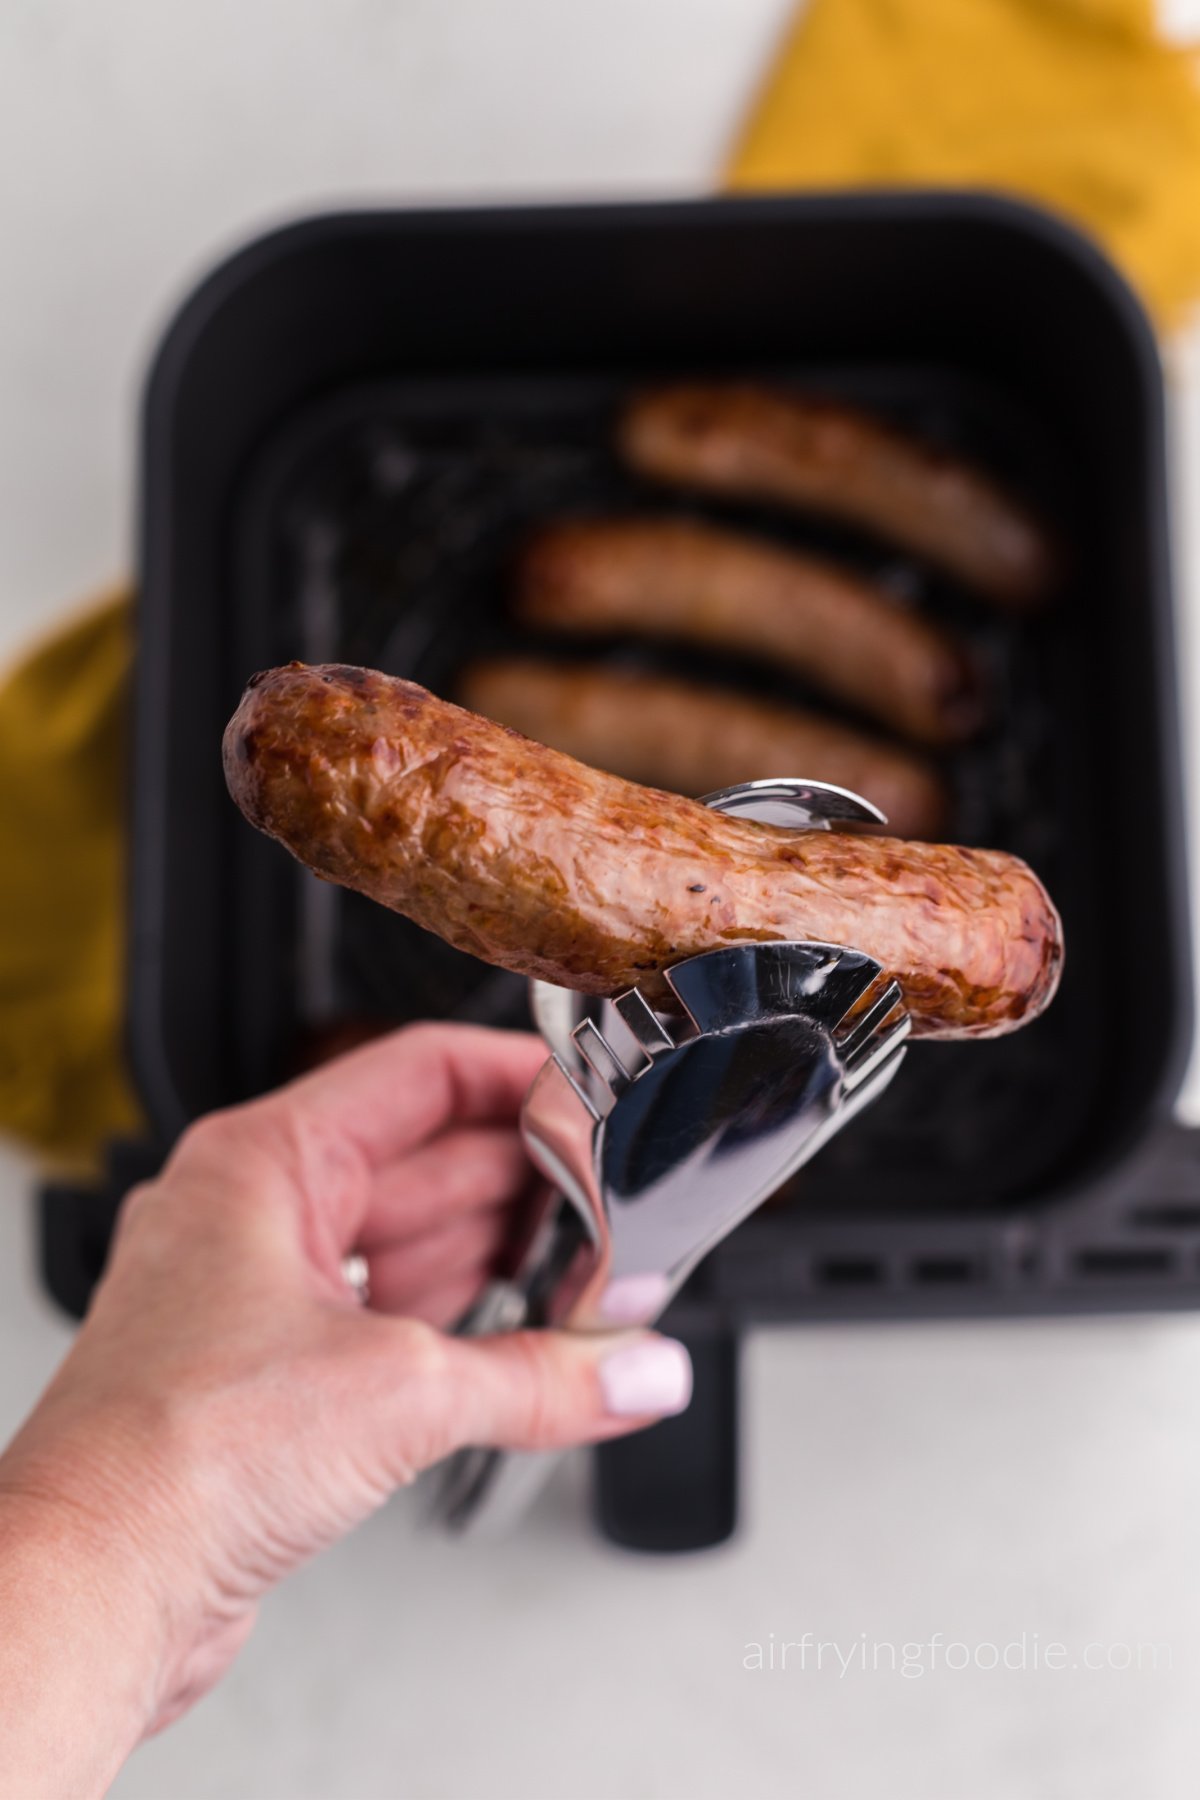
{"x": 693, "y": 739}
{"x": 534, "y": 862}
{"x": 675, "y": 578}
{"x": 761, "y": 444}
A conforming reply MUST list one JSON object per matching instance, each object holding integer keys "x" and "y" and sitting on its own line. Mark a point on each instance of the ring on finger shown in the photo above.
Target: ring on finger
{"x": 357, "y": 1276}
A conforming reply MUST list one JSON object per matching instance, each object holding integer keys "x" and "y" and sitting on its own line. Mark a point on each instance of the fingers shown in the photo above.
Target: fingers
{"x": 321, "y": 1142}
{"x": 443, "y": 1307}
{"x": 460, "y": 1173}
{"x": 394, "y": 1093}
{"x": 401, "y": 1276}
{"x": 545, "y": 1390}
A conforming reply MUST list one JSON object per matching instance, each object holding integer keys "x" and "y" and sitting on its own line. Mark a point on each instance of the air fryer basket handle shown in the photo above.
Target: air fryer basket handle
{"x": 675, "y": 1486}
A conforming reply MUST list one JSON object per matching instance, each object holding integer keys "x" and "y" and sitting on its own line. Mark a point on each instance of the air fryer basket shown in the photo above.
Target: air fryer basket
{"x": 380, "y": 531}
{"x": 346, "y": 430}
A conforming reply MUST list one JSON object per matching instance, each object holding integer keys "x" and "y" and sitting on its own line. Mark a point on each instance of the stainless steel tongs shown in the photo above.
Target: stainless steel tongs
{"x": 657, "y": 1132}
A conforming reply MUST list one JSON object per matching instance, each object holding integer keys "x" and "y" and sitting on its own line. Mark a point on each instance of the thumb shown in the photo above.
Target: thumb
{"x": 547, "y": 1390}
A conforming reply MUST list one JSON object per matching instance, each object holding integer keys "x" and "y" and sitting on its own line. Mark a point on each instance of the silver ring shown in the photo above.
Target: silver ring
{"x": 357, "y": 1276}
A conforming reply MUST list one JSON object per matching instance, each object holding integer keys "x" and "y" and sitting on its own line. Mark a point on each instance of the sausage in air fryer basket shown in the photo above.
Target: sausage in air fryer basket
{"x": 723, "y": 590}
{"x": 762, "y": 444}
{"x": 694, "y": 739}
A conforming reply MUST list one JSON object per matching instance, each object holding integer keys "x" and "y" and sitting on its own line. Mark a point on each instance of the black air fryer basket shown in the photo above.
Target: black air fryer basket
{"x": 348, "y": 428}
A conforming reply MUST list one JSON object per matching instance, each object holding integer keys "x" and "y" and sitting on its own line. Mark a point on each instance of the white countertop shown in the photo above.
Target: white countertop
{"x": 994, "y": 1483}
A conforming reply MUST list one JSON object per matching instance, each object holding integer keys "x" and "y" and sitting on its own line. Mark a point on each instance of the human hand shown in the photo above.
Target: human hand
{"x": 229, "y": 1408}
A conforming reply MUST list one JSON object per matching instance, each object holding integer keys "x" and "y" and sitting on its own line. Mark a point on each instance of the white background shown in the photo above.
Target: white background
{"x": 984, "y": 1481}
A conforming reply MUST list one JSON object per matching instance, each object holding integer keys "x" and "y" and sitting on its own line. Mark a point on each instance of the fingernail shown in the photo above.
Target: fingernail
{"x": 653, "y": 1376}
{"x": 634, "y": 1299}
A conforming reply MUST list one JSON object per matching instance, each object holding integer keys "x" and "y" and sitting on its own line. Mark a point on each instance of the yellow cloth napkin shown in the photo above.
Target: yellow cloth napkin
{"x": 1073, "y": 103}
{"x": 63, "y": 1087}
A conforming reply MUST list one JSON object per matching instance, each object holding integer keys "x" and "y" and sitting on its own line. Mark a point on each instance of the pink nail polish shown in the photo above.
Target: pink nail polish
{"x": 653, "y": 1376}
{"x": 633, "y": 1299}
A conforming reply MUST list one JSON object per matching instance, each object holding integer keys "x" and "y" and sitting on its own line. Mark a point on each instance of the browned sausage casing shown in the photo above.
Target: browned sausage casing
{"x": 759, "y": 444}
{"x": 677, "y": 578}
{"x": 693, "y": 739}
{"x": 532, "y": 861}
